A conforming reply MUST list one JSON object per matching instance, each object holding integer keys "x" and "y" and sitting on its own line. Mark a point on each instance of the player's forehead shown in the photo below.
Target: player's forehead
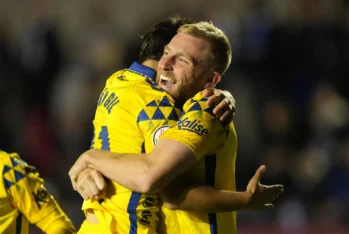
{"x": 194, "y": 47}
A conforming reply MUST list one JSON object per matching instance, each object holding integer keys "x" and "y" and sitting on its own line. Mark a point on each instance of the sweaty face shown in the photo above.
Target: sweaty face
{"x": 183, "y": 69}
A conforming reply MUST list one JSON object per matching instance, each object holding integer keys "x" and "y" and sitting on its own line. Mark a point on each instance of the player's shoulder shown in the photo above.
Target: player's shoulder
{"x": 14, "y": 169}
{"x": 197, "y": 104}
{"x": 115, "y": 77}
{"x": 197, "y": 116}
{"x": 148, "y": 92}
{"x": 155, "y": 105}
{"x": 136, "y": 83}
{"x": 151, "y": 96}
{"x": 17, "y": 161}
{"x": 13, "y": 160}
{"x": 6, "y": 157}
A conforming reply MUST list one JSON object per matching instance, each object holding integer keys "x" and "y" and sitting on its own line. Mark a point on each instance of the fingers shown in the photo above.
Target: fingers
{"x": 260, "y": 171}
{"x": 227, "y": 117}
{"x": 222, "y": 107}
{"x": 87, "y": 189}
{"x": 99, "y": 180}
{"x": 73, "y": 178}
{"x": 94, "y": 190}
{"x": 276, "y": 191}
{"x": 224, "y": 110}
{"x": 208, "y": 92}
{"x": 90, "y": 184}
{"x": 225, "y": 104}
{"x": 77, "y": 168}
{"x": 272, "y": 192}
{"x": 83, "y": 195}
{"x": 221, "y": 102}
{"x": 214, "y": 100}
{"x": 82, "y": 189}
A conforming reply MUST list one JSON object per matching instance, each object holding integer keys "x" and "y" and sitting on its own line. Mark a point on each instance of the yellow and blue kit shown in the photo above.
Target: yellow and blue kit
{"x": 215, "y": 147}
{"x": 132, "y": 112}
{"x": 24, "y": 200}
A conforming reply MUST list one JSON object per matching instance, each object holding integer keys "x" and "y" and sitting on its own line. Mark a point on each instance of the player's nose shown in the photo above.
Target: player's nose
{"x": 166, "y": 63}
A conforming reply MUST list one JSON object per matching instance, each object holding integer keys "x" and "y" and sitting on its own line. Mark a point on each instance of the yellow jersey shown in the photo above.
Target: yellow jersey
{"x": 132, "y": 112}
{"x": 24, "y": 199}
{"x": 215, "y": 147}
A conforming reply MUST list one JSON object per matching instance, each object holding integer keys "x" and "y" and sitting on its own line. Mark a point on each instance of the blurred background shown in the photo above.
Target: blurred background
{"x": 289, "y": 76}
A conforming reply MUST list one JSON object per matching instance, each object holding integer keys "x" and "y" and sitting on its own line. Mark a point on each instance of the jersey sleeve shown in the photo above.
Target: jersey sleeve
{"x": 27, "y": 192}
{"x": 155, "y": 118}
{"x": 199, "y": 128}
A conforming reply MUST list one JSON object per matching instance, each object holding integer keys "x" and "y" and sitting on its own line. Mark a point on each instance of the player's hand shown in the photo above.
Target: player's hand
{"x": 80, "y": 165}
{"x": 224, "y": 101}
{"x": 91, "y": 184}
{"x": 262, "y": 196}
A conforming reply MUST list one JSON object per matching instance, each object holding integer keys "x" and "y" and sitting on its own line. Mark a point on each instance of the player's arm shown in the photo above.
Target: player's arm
{"x": 179, "y": 148}
{"x": 32, "y": 199}
{"x": 183, "y": 194}
{"x": 89, "y": 183}
{"x": 142, "y": 173}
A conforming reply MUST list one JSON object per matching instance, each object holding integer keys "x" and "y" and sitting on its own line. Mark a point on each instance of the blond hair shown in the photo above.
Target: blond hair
{"x": 220, "y": 51}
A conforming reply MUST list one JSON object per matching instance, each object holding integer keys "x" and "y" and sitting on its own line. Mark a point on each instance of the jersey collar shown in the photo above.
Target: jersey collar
{"x": 143, "y": 70}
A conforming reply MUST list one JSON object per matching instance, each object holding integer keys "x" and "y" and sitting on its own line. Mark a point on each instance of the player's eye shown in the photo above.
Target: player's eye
{"x": 183, "y": 60}
{"x": 165, "y": 52}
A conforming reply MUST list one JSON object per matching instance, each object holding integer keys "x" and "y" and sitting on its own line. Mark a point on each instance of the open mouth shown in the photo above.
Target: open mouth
{"x": 167, "y": 81}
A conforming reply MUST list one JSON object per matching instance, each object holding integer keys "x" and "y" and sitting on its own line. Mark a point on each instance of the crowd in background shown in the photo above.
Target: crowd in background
{"x": 289, "y": 75}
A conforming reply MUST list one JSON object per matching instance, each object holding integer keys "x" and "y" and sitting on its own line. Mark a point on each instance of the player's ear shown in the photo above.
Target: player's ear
{"x": 213, "y": 79}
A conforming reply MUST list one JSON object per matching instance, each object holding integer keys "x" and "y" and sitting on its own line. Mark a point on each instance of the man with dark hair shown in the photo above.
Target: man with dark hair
{"x": 132, "y": 112}
{"x": 192, "y": 165}
{"x": 155, "y": 39}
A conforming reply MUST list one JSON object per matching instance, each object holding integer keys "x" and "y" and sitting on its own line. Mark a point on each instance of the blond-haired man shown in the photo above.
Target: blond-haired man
{"x": 198, "y": 148}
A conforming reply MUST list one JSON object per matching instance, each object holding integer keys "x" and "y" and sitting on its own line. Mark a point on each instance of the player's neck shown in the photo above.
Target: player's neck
{"x": 151, "y": 63}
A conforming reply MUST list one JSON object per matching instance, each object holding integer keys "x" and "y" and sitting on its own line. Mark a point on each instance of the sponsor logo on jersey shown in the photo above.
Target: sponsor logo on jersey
{"x": 192, "y": 125}
{"x": 159, "y": 132}
{"x": 41, "y": 196}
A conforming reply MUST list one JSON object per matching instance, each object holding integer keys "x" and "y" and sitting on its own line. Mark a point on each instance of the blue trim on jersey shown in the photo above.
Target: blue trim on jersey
{"x": 210, "y": 174}
{"x": 19, "y": 223}
{"x": 144, "y": 70}
{"x": 131, "y": 210}
{"x": 104, "y": 136}
{"x": 212, "y": 219}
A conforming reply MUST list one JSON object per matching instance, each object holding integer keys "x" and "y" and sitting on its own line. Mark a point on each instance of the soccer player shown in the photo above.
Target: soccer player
{"x": 24, "y": 199}
{"x": 199, "y": 145}
{"x": 131, "y": 111}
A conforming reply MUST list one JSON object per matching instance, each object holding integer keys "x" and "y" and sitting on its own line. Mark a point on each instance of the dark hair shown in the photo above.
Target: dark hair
{"x": 154, "y": 40}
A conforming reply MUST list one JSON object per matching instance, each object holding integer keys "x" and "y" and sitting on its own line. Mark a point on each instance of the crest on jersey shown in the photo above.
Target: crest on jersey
{"x": 159, "y": 132}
